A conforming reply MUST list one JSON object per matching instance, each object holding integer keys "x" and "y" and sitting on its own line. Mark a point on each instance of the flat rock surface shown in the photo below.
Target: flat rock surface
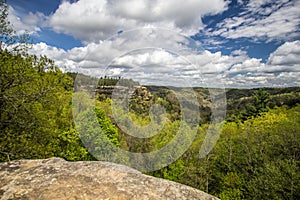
{"x": 56, "y": 178}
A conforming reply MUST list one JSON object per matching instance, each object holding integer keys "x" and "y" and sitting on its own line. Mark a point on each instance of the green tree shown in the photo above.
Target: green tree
{"x": 261, "y": 155}
{"x": 98, "y": 134}
{"x": 260, "y": 103}
{"x": 35, "y": 103}
{"x": 8, "y": 37}
{"x": 70, "y": 147}
{"x": 35, "y": 99}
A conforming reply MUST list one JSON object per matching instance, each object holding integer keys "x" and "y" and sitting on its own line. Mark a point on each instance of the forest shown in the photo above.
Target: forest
{"x": 256, "y": 157}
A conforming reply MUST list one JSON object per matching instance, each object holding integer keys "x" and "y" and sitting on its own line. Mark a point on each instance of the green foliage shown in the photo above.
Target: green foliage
{"x": 256, "y": 159}
{"x": 278, "y": 179}
{"x": 261, "y": 100}
{"x": 172, "y": 172}
{"x": 99, "y": 136}
{"x": 242, "y": 100}
{"x": 263, "y": 153}
{"x": 69, "y": 146}
{"x": 34, "y": 105}
{"x": 108, "y": 129}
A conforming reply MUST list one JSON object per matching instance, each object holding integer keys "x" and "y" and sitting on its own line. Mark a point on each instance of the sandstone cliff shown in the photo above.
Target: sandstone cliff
{"x": 56, "y": 178}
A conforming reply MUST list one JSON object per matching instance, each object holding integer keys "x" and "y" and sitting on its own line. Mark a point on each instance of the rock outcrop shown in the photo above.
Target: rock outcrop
{"x": 56, "y": 178}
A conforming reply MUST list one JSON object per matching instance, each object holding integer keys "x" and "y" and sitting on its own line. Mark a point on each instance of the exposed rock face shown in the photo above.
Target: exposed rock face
{"x": 58, "y": 179}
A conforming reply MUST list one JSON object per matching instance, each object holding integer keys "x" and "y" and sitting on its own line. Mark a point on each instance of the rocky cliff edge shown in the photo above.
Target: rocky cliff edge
{"x": 56, "y": 178}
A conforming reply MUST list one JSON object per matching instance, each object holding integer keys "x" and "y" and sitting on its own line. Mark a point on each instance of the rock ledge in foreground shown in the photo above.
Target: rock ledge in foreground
{"x": 56, "y": 178}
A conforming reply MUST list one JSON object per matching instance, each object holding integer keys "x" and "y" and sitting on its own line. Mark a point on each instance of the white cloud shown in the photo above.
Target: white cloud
{"x": 29, "y": 23}
{"x": 239, "y": 52}
{"x": 159, "y": 55}
{"x": 287, "y": 54}
{"x": 91, "y": 20}
{"x": 52, "y": 52}
{"x": 159, "y": 65}
{"x": 248, "y": 66}
{"x": 279, "y": 20}
{"x": 60, "y": 56}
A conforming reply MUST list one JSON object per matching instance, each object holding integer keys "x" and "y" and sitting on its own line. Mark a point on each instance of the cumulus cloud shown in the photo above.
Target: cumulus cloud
{"x": 92, "y": 21}
{"x": 163, "y": 56}
{"x": 262, "y": 19}
{"x": 29, "y": 23}
{"x": 127, "y": 57}
{"x": 60, "y": 56}
{"x": 287, "y": 54}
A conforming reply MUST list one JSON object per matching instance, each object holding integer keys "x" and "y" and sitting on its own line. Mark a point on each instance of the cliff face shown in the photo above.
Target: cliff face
{"x": 58, "y": 179}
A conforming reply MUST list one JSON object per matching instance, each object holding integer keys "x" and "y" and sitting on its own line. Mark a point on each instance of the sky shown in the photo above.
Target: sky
{"x": 232, "y": 43}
